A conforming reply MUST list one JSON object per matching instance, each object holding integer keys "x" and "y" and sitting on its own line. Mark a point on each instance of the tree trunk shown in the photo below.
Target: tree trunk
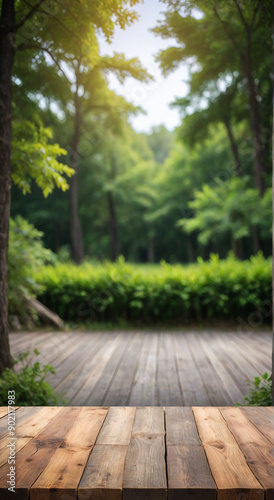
{"x": 6, "y": 63}
{"x": 272, "y": 76}
{"x": 234, "y": 148}
{"x": 259, "y": 164}
{"x": 237, "y": 247}
{"x": 256, "y": 240}
{"x": 76, "y": 237}
{"x": 113, "y": 228}
{"x": 150, "y": 250}
{"x": 255, "y": 119}
{"x": 190, "y": 249}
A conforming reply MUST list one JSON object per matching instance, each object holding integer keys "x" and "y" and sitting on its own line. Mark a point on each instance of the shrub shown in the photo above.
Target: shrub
{"x": 219, "y": 289}
{"x": 260, "y": 392}
{"x": 26, "y": 256}
{"x": 29, "y": 384}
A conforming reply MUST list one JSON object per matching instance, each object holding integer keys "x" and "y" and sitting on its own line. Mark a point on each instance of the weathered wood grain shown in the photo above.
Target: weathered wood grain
{"x": 22, "y": 414}
{"x": 188, "y": 472}
{"x": 262, "y": 419}
{"x": 30, "y": 424}
{"x": 99, "y": 390}
{"x": 214, "y": 385}
{"x": 168, "y": 390}
{"x": 258, "y": 451}
{"x": 94, "y": 368}
{"x": 181, "y": 427}
{"x": 117, "y": 427}
{"x": 174, "y": 368}
{"x": 34, "y": 457}
{"x": 121, "y": 385}
{"x": 4, "y": 410}
{"x": 127, "y": 453}
{"x": 66, "y": 466}
{"x": 190, "y": 379}
{"x": 230, "y": 471}
{"x": 149, "y": 420}
{"x": 145, "y": 469}
{"x": 144, "y": 385}
{"x": 103, "y": 475}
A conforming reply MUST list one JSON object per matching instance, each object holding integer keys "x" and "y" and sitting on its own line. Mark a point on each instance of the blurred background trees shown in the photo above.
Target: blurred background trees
{"x": 174, "y": 195}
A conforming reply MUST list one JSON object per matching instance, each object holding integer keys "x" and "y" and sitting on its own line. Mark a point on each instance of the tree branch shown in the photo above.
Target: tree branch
{"x": 44, "y": 49}
{"x": 228, "y": 32}
{"x": 72, "y": 15}
{"x": 61, "y": 23}
{"x": 255, "y": 13}
{"x": 27, "y": 16}
{"x": 247, "y": 27}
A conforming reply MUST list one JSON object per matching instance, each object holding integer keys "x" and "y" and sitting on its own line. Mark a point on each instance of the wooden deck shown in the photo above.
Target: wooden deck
{"x": 127, "y": 453}
{"x": 176, "y": 368}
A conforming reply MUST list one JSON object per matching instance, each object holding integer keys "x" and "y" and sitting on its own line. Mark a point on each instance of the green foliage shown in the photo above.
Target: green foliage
{"x": 34, "y": 158}
{"x": 227, "y": 207}
{"x": 218, "y": 289}
{"x": 260, "y": 392}
{"x": 29, "y": 384}
{"x": 150, "y": 178}
{"x": 26, "y": 256}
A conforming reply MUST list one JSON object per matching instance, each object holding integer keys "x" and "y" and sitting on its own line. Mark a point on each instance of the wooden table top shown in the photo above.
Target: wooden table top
{"x": 129, "y": 453}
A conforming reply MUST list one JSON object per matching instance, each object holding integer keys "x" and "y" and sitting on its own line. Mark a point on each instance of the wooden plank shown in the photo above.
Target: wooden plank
{"x": 190, "y": 379}
{"x": 58, "y": 348}
{"x": 75, "y": 380}
{"x": 144, "y": 382}
{"x": 149, "y": 420}
{"x": 97, "y": 364}
{"x": 253, "y": 343}
{"x": 145, "y": 469}
{"x": 103, "y": 475}
{"x": 34, "y": 457}
{"x": 99, "y": 390}
{"x": 121, "y": 386}
{"x": 257, "y": 450}
{"x": 231, "y": 386}
{"x": 71, "y": 361}
{"x": 27, "y": 430}
{"x": 188, "y": 473}
{"x": 250, "y": 354}
{"x": 21, "y": 416}
{"x": 4, "y": 410}
{"x": 226, "y": 461}
{"x": 213, "y": 384}
{"x": 126, "y": 375}
{"x": 189, "y": 476}
{"x": 117, "y": 426}
{"x": 181, "y": 428}
{"x": 65, "y": 468}
{"x": 239, "y": 368}
{"x": 167, "y": 383}
{"x": 262, "y": 419}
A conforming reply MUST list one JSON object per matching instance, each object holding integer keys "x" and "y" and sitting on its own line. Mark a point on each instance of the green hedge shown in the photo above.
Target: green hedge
{"x": 218, "y": 289}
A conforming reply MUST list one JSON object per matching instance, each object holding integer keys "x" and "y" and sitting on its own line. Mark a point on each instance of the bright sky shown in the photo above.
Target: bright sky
{"x": 154, "y": 97}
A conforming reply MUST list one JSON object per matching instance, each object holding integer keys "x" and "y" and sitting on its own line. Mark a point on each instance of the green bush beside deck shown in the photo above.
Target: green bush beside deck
{"x": 219, "y": 289}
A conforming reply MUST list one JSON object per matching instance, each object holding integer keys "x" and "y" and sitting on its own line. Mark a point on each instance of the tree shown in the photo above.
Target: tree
{"x": 119, "y": 169}
{"x": 228, "y": 38}
{"x": 222, "y": 107}
{"x": 22, "y": 28}
{"x": 218, "y": 213}
{"x": 160, "y": 141}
